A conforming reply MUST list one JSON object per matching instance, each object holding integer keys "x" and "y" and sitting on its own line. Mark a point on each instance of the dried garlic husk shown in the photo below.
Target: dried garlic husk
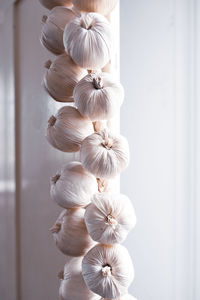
{"x": 87, "y": 39}
{"x": 70, "y": 233}
{"x": 72, "y": 285}
{"x": 73, "y": 186}
{"x": 72, "y": 266}
{"x": 108, "y": 270}
{"x": 104, "y": 155}
{"x": 53, "y": 28}
{"x": 67, "y": 129}
{"x": 98, "y": 96}
{"x": 61, "y": 77}
{"x": 52, "y": 3}
{"x": 109, "y": 218}
{"x": 103, "y": 7}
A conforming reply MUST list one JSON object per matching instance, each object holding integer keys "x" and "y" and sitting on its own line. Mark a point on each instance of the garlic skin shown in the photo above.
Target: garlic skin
{"x": 61, "y": 77}
{"x": 73, "y": 286}
{"x": 125, "y": 297}
{"x": 108, "y": 270}
{"x": 104, "y": 155}
{"x": 103, "y": 7}
{"x": 67, "y": 129}
{"x": 70, "y": 233}
{"x": 53, "y": 27}
{"x": 87, "y": 39}
{"x": 73, "y": 186}
{"x": 98, "y": 96}
{"x": 72, "y": 266}
{"x": 49, "y": 4}
{"x": 109, "y": 218}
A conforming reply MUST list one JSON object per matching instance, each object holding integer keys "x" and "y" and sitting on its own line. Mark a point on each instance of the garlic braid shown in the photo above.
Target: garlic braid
{"x": 97, "y": 267}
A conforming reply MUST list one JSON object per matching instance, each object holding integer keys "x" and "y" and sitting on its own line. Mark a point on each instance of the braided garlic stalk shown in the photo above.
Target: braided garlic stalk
{"x": 95, "y": 220}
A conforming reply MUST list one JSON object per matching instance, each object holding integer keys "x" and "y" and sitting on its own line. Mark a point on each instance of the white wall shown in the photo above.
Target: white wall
{"x": 158, "y": 65}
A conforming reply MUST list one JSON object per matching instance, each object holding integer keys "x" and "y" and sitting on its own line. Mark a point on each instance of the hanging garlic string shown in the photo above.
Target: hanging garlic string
{"x": 91, "y": 213}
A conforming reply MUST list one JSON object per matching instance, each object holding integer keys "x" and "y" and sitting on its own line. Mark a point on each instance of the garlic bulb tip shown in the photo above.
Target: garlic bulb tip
{"x": 110, "y": 220}
{"x": 52, "y": 120}
{"x": 55, "y": 228}
{"x": 47, "y": 64}
{"x": 97, "y": 82}
{"x": 44, "y": 18}
{"x": 55, "y": 178}
{"x": 106, "y": 270}
{"x": 61, "y": 275}
{"x": 107, "y": 143}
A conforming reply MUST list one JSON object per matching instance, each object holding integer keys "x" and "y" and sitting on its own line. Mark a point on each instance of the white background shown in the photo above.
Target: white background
{"x": 160, "y": 117}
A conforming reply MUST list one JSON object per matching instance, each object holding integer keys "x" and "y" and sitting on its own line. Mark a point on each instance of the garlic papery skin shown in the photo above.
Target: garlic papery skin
{"x": 87, "y": 39}
{"x": 67, "y": 129}
{"x": 125, "y": 297}
{"x": 73, "y": 286}
{"x": 108, "y": 270}
{"x": 109, "y": 218}
{"x": 98, "y": 96}
{"x": 72, "y": 266}
{"x": 104, "y": 154}
{"x": 61, "y": 77}
{"x": 70, "y": 233}
{"x": 100, "y": 6}
{"x": 49, "y": 4}
{"x": 73, "y": 186}
{"x": 53, "y": 29}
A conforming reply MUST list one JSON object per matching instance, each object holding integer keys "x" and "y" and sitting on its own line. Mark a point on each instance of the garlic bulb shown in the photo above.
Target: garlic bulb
{"x": 104, "y": 155}
{"x": 125, "y": 297}
{"x": 70, "y": 233}
{"x": 98, "y": 96}
{"x": 103, "y": 6}
{"x": 67, "y": 129}
{"x": 61, "y": 77}
{"x": 87, "y": 39}
{"x": 52, "y": 3}
{"x": 53, "y": 28}
{"x": 73, "y": 186}
{"x": 73, "y": 286}
{"x": 109, "y": 218}
{"x": 72, "y": 266}
{"x": 108, "y": 270}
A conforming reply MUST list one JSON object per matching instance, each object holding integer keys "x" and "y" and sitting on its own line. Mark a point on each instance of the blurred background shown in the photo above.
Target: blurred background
{"x": 160, "y": 71}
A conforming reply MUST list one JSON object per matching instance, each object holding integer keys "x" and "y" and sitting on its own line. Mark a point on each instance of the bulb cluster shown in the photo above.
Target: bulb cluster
{"x": 94, "y": 222}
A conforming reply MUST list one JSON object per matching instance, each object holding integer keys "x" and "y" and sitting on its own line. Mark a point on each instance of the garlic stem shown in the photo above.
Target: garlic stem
{"x": 86, "y": 23}
{"x": 108, "y": 143}
{"x": 97, "y": 82}
{"x": 110, "y": 220}
{"x": 61, "y": 275}
{"x": 56, "y": 228}
{"x": 101, "y": 185}
{"x": 106, "y": 270}
{"x": 47, "y": 64}
{"x": 98, "y": 125}
{"x": 55, "y": 178}
{"x": 44, "y": 18}
{"x": 52, "y": 120}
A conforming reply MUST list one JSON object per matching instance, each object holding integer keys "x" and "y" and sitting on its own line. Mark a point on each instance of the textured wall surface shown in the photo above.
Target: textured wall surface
{"x": 159, "y": 62}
